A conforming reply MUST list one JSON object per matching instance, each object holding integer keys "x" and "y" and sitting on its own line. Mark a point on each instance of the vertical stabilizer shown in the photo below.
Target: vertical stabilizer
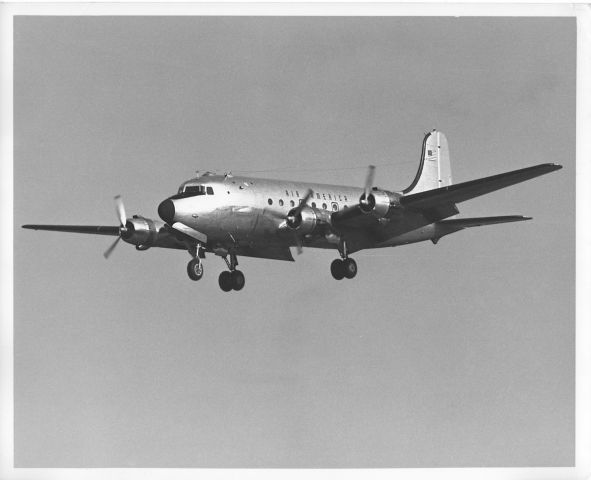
{"x": 434, "y": 169}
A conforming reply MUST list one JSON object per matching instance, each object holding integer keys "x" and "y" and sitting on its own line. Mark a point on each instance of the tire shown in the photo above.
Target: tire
{"x": 238, "y": 280}
{"x": 337, "y": 269}
{"x": 349, "y": 267}
{"x": 225, "y": 281}
{"x": 195, "y": 269}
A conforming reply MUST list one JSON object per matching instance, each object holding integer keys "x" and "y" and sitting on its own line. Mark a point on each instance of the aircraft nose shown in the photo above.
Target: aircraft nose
{"x": 166, "y": 210}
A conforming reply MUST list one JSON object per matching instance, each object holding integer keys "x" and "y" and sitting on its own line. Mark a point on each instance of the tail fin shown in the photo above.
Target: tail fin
{"x": 434, "y": 169}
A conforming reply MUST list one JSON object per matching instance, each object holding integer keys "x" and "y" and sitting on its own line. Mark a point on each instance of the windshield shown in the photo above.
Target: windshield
{"x": 193, "y": 191}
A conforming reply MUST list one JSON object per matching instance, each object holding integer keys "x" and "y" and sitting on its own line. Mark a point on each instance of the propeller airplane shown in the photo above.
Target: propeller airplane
{"x": 231, "y": 216}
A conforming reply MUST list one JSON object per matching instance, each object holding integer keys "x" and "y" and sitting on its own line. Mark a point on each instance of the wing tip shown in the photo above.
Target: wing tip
{"x": 553, "y": 166}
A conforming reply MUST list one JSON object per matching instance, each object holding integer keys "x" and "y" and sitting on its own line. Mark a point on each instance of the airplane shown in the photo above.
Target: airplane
{"x": 231, "y": 216}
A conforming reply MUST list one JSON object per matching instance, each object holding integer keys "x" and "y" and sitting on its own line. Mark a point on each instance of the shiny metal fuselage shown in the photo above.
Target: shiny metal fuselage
{"x": 245, "y": 211}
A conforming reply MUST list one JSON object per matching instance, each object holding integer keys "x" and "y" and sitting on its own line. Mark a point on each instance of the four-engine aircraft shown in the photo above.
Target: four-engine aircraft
{"x": 232, "y": 216}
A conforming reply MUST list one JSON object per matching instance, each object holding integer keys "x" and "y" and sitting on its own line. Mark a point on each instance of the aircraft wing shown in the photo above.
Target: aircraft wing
{"x": 92, "y": 229}
{"x": 461, "y": 192}
{"x": 480, "y": 221}
{"x": 353, "y": 217}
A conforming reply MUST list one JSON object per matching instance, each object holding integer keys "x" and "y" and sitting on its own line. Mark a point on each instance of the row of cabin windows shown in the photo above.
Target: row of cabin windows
{"x": 339, "y": 197}
{"x": 334, "y": 205}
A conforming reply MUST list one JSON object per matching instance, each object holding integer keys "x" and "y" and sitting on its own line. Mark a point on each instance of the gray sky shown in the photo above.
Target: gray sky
{"x": 460, "y": 354}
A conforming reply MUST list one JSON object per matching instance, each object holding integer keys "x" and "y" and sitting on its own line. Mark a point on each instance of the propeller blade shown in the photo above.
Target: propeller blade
{"x": 107, "y": 254}
{"x": 303, "y": 203}
{"x": 299, "y": 247}
{"x": 369, "y": 180}
{"x": 120, "y": 210}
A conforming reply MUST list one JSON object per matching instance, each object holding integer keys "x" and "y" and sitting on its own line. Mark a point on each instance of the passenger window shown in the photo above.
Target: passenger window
{"x": 313, "y": 204}
{"x": 280, "y": 202}
{"x": 324, "y": 206}
{"x": 292, "y": 203}
{"x": 335, "y": 207}
{"x": 209, "y": 191}
{"x": 270, "y": 202}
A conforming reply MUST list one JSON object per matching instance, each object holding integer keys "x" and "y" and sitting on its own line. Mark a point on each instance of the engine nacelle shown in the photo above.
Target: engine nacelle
{"x": 140, "y": 231}
{"x": 305, "y": 222}
{"x": 377, "y": 203}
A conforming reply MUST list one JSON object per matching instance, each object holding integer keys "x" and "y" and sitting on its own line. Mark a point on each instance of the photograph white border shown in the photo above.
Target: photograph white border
{"x": 580, "y": 10}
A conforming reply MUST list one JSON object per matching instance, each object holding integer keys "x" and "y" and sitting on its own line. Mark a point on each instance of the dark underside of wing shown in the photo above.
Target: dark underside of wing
{"x": 91, "y": 229}
{"x": 270, "y": 252}
{"x": 461, "y": 192}
{"x": 480, "y": 221}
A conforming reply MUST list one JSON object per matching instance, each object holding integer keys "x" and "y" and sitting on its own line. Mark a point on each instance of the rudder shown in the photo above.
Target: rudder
{"x": 435, "y": 169}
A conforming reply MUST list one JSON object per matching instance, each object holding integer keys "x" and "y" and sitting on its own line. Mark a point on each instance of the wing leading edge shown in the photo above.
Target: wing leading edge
{"x": 90, "y": 229}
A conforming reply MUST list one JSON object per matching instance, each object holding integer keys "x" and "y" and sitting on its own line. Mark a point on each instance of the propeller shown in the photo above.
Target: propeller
{"x": 365, "y": 200}
{"x": 120, "y": 210}
{"x": 108, "y": 252}
{"x": 294, "y": 214}
{"x": 294, "y": 217}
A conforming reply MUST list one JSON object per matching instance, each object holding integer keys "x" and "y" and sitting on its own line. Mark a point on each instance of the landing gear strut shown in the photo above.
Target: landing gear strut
{"x": 344, "y": 267}
{"x": 233, "y": 279}
{"x": 195, "y": 266}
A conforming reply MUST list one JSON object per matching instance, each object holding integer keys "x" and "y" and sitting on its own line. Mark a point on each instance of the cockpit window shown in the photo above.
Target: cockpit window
{"x": 195, "y": 190}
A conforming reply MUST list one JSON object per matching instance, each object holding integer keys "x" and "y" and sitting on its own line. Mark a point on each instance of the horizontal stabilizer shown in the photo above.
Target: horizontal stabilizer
{"x": 92, "y": 229}
{"x": 445, "y": 227}
{"x": 461, "y": 192}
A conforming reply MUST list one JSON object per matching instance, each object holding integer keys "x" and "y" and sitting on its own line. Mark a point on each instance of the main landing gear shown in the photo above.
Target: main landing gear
{"x": 346, "y": 268}
{"x": 343, "y": 267}
{"x": 233, "y": 279}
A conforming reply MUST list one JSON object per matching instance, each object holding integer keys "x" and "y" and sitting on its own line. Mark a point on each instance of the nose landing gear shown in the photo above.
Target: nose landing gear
{"x": 195, "y": 269}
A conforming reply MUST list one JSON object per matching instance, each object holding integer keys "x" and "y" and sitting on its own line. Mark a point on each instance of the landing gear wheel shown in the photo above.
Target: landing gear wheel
{"x": 337, "y": 269}
{"x": 238, "y": 280}
{"x": 195, "y": 269}
{"x": 349, "y": 267}
{"x": 225, "y": 281}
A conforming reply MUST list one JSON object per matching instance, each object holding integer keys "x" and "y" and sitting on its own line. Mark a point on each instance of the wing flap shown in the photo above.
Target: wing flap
{"x": 90, "y": 229}
{"x": 461, "y": 192}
